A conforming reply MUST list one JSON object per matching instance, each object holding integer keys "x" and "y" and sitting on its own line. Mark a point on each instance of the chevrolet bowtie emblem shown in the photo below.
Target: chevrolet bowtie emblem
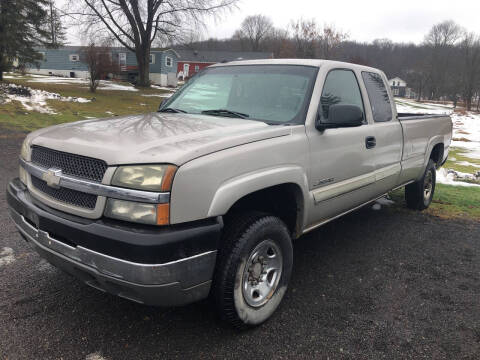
{"x": 52, "y": 177}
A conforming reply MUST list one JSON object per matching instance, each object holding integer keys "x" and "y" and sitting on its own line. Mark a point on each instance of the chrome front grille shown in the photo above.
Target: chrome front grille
{"x": 69, "y": 196}
{"x": 70, "y": 164}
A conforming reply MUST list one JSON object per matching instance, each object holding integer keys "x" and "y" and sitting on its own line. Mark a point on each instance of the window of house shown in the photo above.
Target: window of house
{"x": 197, "y": 68}
{"x": 395, "y": 91}
{"x": 168, "y": 61}
{"x": 378, "y": 96}
{"x": 341, "y": 87}
{"x": 43, "y": 56}
{"x": 152, "y": 58}
{"x": 74, "y": 57}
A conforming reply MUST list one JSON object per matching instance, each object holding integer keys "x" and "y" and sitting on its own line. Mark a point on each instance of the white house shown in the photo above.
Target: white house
{"x": 399, "y": 88}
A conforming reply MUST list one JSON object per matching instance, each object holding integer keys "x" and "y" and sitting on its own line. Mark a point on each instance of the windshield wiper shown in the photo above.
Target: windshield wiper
{"x": 225, "y": 112}
{"x": 173, "y": 110}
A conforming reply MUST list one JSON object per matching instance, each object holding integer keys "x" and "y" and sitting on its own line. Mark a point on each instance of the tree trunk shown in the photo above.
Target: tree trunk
{"x": 1, "y": 75}
{"x": 143, "y": 60}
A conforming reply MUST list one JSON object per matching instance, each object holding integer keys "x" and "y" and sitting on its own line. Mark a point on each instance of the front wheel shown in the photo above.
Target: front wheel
{"x": 253, "y": 271}
{"x": 419, "y": 194}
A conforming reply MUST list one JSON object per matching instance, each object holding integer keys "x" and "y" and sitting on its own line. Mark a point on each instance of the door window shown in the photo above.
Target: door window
{"x": 341, "y": 87}
{"x": 378, "y": 96}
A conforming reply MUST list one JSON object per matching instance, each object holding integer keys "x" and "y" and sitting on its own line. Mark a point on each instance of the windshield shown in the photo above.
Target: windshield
{"x": 270, "y": 93}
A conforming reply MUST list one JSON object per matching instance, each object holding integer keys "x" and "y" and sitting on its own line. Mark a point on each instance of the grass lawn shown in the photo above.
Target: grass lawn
{"x": 449, "y": 202}
{"x": 461, "y": 155}
{"x": 105, "y": 103}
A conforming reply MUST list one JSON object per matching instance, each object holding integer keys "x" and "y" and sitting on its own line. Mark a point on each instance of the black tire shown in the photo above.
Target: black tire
{"x": 417, "y": 196}
{"x": 244, "y": 234}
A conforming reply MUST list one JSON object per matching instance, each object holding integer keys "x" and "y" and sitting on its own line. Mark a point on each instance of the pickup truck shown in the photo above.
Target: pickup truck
{"x": 205, "y": 197}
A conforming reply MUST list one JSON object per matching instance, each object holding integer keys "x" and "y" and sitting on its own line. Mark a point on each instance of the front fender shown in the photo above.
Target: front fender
{"x": 234, "y": 189}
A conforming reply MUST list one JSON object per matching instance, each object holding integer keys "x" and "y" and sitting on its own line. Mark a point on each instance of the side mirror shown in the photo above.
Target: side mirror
{"x": 341, "y": 115}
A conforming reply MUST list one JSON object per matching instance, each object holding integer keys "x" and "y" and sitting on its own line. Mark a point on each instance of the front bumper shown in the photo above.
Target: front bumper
{"x": 173, "y": 282}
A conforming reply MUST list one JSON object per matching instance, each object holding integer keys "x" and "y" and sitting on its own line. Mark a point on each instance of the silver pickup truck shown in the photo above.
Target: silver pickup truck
{"x": 204, "y": 197}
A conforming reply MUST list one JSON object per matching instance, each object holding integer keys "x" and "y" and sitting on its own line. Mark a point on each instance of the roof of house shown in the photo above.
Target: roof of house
{"x": 214, "y": 56}
{"x": 116, "y": 48}
{"x": 397, "y": 78}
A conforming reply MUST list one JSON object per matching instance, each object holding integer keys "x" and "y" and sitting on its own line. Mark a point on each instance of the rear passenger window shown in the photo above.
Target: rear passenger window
{"x": 341, "y": 87}
{"x": 378, "y": 95}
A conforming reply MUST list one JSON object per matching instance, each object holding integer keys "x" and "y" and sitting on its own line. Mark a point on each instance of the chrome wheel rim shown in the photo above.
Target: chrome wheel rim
{"x": 428, "y": 185}
{"x": 262, "y": 273}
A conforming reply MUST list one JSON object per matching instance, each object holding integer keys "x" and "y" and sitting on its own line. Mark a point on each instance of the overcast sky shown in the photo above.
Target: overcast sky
{"x": 363, "y": 20}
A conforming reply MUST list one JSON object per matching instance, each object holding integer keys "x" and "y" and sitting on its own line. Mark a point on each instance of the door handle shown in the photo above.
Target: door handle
{"x": 370, "y": 142}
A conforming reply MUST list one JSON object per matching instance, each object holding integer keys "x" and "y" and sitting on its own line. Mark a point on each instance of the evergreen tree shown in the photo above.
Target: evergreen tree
{"x": 22, "y": 27}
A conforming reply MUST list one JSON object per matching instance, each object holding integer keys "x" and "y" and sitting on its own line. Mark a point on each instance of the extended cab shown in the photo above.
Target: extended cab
{"x": 205, "y": 196}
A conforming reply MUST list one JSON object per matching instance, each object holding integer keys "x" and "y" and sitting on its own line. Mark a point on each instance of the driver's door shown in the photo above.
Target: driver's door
{"x": 341, "y": 166}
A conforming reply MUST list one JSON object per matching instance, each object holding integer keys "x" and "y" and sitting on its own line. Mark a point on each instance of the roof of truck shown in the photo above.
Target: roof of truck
{"x": 304, "y": 62}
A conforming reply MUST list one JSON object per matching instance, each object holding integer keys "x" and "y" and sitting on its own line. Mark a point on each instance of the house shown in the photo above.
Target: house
{"x": 66, "y": 61}
{"x": 399, "y": 88}
{"x": 192, "y": 61}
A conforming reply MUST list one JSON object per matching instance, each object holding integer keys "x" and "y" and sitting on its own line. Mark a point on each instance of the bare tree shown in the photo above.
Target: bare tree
{"x": 305, "y": 36}
{"x": 136, "y": 24}
{"x": 470, "y": 65}
{"x": 54, "y": 26}
{"x": 99, "y": 62}
{"x": 330, "y": 40}
{"x": 254, "y": 30}
{"x": 440, "y": 40}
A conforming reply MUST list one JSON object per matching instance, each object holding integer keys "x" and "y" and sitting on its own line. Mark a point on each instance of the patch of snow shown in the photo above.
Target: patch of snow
{"x": 109, "y": 112}
{"x": 103, "y": 84}
{"x": 448, "y": 177}
{"x": 6, "y": 256}
{"x": 58, "y": 80}
{"x": 163, "y": 88}
{"x": 95, "y": 356}
{"x": 158, "y": 95}
{"x": 384, "y": 201}
{"x": 466, "y": 131}
{"x": 411, "y": 106}
{"x": 466, "y": 163}
{"x": 111, "y": 85}
{"x": 376, "y": 206}
{"x": 37, "y": 101}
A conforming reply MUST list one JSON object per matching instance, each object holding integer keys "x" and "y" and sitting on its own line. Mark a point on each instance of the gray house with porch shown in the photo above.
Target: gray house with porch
{"x": 67, "y": 62}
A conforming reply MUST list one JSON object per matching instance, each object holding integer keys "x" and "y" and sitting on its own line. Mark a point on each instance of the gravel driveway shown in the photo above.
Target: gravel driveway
{"x": 374, "y": 284}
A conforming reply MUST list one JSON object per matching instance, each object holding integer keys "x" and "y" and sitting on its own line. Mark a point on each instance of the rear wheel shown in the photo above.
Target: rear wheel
{"x": 419, "y": 194}
{"x": 253, "y": 271}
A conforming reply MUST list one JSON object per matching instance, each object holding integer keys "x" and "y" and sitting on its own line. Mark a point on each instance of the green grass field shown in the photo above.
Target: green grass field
{"x": 461, "y": 155}
{"x": 450, "y": 202}
{"x": 106, "y": 103}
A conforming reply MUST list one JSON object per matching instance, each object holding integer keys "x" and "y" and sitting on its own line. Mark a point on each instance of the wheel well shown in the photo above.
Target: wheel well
{"x": 437, "y": 154}
{"x": 284, "y": 201}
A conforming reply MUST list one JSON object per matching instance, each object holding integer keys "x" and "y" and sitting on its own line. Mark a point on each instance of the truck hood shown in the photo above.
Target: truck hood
{"x": 154, "y": 137}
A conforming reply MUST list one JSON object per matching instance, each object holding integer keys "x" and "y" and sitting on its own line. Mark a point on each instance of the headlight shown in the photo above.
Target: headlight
{"x": 25, "y": 155}
{"x": 145, "y": 177}
{"x": 25, "y": 151}
{"x": 153, "y": 214}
